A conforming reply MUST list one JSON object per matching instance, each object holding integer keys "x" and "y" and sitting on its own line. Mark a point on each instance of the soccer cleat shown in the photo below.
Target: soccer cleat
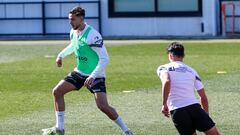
{"x": 129, "y": 132}
{"x": 52, "y": 131}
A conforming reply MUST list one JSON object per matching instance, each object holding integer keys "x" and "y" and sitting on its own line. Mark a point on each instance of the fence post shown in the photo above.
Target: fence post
{"x": 43, "y": 19}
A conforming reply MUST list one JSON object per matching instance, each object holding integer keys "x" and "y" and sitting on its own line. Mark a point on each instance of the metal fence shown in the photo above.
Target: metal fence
{"x": 44, "y": 18}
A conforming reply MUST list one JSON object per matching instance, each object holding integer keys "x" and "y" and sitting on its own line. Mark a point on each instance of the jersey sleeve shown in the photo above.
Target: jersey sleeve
{"x": 95, "y": 39}
{"x": 161, "y": 69}
{"x": 69, "y": 49}
{"x": 66, "y": 51}
{"x": 198, "y": 82}
{"x": 96, "y": 43}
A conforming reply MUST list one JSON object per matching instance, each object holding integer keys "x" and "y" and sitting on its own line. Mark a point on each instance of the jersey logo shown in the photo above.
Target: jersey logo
{"x": 179, "y": 69}
{"x": 82, "y": 58}
{"x": 98, "y": 43}
{"x": 171, "y": 69}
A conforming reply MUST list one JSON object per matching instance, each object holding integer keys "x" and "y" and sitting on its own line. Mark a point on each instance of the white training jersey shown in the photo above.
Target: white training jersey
{"x": 95, "y": 41}
{"x": 184, "y": 82}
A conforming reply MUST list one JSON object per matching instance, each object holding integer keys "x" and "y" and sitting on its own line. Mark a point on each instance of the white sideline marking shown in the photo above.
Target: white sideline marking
{"x": 221, "y": 72}
{"x": 49, "y": 56}
{"x": 128, "y": 91}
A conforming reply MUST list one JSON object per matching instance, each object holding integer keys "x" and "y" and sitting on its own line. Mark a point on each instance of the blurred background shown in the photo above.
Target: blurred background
{"x": 122, "y": 18}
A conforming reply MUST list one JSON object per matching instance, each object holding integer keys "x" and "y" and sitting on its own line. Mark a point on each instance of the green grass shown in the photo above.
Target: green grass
{"x": 27, "y": 77}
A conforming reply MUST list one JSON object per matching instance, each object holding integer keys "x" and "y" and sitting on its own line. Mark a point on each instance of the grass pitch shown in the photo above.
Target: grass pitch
{"x": 28, "y": 73}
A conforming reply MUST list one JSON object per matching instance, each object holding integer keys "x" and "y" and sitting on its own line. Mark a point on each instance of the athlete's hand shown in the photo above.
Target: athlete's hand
{"x": 59, "y": 61}
{"x": 165, "y": 111}
{"x": 88, "y": 82}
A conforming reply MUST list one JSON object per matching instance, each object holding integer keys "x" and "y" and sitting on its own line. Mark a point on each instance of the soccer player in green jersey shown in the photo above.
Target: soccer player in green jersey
{"x": 91, "y": 58}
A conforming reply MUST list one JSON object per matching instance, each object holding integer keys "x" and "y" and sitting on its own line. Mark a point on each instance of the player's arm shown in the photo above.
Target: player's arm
{"x": 163, "y": 74}
{"x": 97, "y": 45}
{"x": 203, "y": 99}
{"x": 201, "y": 92}
{"x": 66, "y": 51}
{"x": 103, "y": 61}
{"x": 165, "y": 78}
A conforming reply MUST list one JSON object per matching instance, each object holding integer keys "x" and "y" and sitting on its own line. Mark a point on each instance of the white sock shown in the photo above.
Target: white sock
{"x": 121, "y": 124}
{"x": 59, "y": 120}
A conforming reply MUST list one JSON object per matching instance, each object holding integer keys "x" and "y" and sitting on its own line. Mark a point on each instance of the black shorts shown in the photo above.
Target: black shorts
{"x": 191, "y": 118}
{"x": 78, "y": 80}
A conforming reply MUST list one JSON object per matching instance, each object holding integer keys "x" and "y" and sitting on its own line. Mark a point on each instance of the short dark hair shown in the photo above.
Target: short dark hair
{"x": 176, "y": 49}
{"x": 78, "y": 11}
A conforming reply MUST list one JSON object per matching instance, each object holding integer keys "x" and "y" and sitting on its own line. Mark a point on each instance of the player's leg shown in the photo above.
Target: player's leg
{"x": 59, "y": 91}
{"x": 182, "y": 121}
{"x": 98, "y": 88}
{"x": 73, "y": 81}
{"x": 202, "y": 121}
{"x": 212, "y": 131}
{"x": 102, "y": 104}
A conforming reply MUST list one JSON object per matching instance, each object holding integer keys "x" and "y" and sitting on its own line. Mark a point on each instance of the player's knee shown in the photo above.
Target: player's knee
{"x": 56, "y": 93}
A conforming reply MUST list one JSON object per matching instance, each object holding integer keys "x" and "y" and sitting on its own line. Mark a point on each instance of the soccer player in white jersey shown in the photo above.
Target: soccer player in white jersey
{"x": 92, "y": 58}
{"x": 179, "y": 82}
